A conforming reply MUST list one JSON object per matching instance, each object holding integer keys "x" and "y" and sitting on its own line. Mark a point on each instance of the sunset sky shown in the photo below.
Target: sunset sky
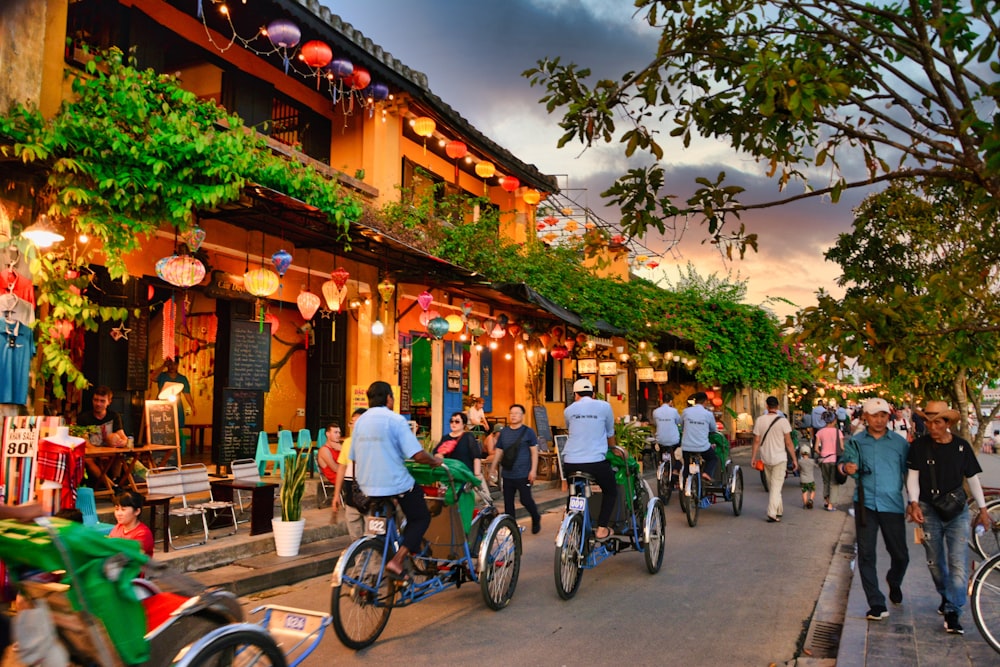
{"x": 473, "y": 54}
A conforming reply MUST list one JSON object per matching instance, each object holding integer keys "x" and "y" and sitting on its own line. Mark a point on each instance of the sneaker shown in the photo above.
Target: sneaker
{"x": 809, "y": 505}
{"x": 951, "y": 624}
{"x": 877, "y": 613}
{"x": 895, "y": 594}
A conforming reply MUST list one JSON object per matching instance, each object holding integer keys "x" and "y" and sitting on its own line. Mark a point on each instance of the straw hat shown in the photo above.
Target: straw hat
{"x": 938, "y": 410}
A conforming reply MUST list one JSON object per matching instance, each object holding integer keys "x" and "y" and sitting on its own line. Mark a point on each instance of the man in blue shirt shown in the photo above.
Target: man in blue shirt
{"x": 698, "y": 422}
{"x": 876, "y": 458}
{"x": 380, "y": 443}
{"x": 591, "y": 426}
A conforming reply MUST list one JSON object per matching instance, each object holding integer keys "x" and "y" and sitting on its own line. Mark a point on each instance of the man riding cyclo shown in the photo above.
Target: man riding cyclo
{"x": 698, "y": 425}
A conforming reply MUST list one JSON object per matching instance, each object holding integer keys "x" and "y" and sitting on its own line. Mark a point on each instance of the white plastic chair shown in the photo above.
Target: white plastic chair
{"x": 168, "y": 481}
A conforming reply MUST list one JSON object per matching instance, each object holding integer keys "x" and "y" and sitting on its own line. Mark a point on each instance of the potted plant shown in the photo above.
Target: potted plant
{"x": 288, "y": 529}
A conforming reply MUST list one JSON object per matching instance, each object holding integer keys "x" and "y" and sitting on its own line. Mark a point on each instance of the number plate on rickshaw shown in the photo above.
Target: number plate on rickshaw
{"x": 376, "y": 525}
{"x": 577, "y": 503}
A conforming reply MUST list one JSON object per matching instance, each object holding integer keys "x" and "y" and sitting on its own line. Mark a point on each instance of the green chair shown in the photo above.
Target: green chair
{"x": 264, "y": 455}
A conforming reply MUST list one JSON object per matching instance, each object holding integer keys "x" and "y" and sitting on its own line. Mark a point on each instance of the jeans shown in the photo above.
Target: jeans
{"x": 893, "y": 528}
{"x": 947, "y": 556}
{"x": 519, "y": 485}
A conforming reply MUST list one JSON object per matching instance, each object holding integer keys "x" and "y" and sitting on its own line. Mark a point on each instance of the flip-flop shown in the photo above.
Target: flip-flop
{"x": 403, "y": 578}
{"x": 606, "y": 537}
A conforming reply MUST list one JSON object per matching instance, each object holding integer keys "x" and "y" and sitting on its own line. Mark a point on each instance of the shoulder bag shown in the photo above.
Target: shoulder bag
{"x": 950, "y": 504}
{"x": 759, "y": 465}
{"x": 510, "y": 453}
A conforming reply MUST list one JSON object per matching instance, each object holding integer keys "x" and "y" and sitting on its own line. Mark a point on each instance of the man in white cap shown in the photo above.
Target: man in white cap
{"x": 876, "y": 458}
{"x": 591, "y": 426}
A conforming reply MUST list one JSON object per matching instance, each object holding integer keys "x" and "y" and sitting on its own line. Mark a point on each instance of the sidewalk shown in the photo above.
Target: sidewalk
{"x": 914, "y": 632}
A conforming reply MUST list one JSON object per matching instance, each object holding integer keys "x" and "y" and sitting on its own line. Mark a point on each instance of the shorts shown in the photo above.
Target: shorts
{"x": 808, "y": 486}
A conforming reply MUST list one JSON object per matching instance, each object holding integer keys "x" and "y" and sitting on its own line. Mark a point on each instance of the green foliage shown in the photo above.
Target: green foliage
{"x": 293, "y": 483}
{"x": 922, "y": 305}
{"x": 795, "y": 85}
{"x": 632, "y": 438}
{"x": 736, "y": 343}
{"x": 130, "y": 152}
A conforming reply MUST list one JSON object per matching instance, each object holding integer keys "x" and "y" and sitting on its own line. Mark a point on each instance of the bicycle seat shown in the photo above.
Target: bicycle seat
{"x": 585, "y": 476}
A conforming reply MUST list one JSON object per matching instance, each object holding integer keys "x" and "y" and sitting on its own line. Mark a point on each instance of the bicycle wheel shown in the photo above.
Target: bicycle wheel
{"x": 665, "y": 481}
{"x": 569, "y": 558}
{"x": 654, "y": 547}
{"x": 500, "y": 562}
{"x": 738, "y": 493}
{"x": 985, "y": 601}
{"x": 241, "y": 645}
{"x": 361, "y": 602}
{"x": 694, "y": 499}
{"x": 988, "y": 544}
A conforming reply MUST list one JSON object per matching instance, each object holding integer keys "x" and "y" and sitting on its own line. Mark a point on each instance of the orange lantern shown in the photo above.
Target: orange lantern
{"x": 510, "y": 183}
{"x": 532, "y": 197}
{"x": 485, "y": 169}
{"x": 455, "y": 149}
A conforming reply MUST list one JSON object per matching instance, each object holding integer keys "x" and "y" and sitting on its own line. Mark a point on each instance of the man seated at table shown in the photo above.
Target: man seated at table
{"x": 110, "y": 427}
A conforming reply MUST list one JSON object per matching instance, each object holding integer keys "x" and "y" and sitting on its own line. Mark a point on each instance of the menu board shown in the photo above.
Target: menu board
{"x": 161, "y": 423}
{"x": 138, "y": 351}
{"x": 249, "y": 356}
{"x": 242, "y": 421}
{"x": 542, "y": 428}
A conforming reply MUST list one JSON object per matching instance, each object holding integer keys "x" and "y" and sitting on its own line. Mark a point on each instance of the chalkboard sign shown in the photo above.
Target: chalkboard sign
{"x": 249, "y": 356}
{"x": 542, "y": 427}
{"x": 138, "y": 351}
{"x": 161, "y": 423}
{"x": 242, "y": 421}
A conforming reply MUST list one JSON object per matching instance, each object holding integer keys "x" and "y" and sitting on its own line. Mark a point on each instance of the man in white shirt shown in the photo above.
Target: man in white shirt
{"x": 591, "y": 426}
{"x": 772, "y": 438}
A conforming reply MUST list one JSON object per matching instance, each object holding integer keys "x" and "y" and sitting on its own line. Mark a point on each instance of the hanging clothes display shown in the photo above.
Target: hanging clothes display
{"x": 17, "y": 314}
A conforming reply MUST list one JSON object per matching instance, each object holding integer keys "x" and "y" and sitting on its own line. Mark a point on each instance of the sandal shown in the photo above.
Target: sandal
{"x": 599, "y": 537}
{"x": 403, "y": 578}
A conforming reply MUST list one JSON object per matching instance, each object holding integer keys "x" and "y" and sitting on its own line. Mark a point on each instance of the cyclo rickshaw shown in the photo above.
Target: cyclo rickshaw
{"x": 697, "y": 492}
{"x": 90, "y": 606}
{"x": 638, "y": 523}
{"x": 461, "y": 545}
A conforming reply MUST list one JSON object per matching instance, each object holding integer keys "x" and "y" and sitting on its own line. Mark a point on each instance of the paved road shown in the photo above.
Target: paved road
{"x": 733, "y": 590}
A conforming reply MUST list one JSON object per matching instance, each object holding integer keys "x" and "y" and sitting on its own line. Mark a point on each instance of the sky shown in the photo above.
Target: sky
{"x": 473, "y": 53}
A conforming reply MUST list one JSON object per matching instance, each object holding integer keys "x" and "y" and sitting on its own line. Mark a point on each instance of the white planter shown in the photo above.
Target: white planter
{"x": 287, "y": 536}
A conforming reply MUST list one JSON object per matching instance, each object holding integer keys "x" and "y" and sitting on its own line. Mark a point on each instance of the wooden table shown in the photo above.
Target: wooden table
{"x": 105, "y": 459}
{"x": 261, "y": 501}
{"x": 154, "y": 500}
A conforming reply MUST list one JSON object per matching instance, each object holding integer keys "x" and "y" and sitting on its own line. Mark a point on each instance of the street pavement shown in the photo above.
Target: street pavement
{"x": 834, "y": 630}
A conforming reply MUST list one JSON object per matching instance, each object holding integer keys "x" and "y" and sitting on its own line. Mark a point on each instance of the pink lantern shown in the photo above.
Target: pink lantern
{"x": 498, "y": 332}
{"x": 193, "y": 238}
{"x": 181, "y": 270}
{"x": 308, "y": 304}
{"x": 424, "y": 299}
{"x": 272, "y": 320}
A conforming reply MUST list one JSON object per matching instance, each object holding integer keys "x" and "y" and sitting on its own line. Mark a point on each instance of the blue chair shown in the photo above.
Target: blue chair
{"x": 302, "y": 442}
{"x": 87, "y": 505}
{"x": 321, "y": 438}
{"x": 263, "y": 454}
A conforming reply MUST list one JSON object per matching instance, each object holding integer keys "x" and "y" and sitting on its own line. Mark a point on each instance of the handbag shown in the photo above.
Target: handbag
{"x": 356, "y": 498}
{"x": 950, "y": 504}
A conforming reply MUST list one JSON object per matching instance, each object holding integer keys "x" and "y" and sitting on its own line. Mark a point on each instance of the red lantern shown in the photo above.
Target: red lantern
{"x": 717, "y": 402}
{"x": 559, "y": 352}
{"x": 360, "y": 79}
{"x": 339, "y": 276}
{"x": 510, "y": 183}
{"x": 316, "y": 54}
{"x": 456, "y": 150}
{"x": 710, "y": 394}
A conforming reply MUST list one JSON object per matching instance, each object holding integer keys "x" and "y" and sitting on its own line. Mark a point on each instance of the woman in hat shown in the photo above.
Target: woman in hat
{"x": 937, "y": 465}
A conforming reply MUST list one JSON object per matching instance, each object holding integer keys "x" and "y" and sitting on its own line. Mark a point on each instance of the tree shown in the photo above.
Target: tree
{"x": 922, "y": 307}
{"x": 908, "y": 88}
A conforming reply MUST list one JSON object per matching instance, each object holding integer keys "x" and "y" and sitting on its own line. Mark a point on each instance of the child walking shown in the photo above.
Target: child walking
{"x": 807, "y": 476}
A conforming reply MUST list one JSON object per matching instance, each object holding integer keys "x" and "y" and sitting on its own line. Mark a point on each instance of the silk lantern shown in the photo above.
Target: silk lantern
{"x": 341, "y": 68}
{"x": 261, "y": 282}
{"x": 456, "y": 150}
{"x": 438, "y": 327}
{"x": 424, "y": 127}
{"x": 360, "y": 78}
{"x": 281, "y": 260}
{"x": 308, "y": 304}
{"x": 180, "y": 270}
{"x": 531, "y": 197}
{"x": 273, "y": 322}
{"x": 316, "y": 54}
{"x": 455, "y": 323}
{"x": 193, "y": 238}
{"x": 283, "y": 35}
{"x": 424, "y": 299}
{"x": 559, "y": 352}
{"x": 510, "y": 183}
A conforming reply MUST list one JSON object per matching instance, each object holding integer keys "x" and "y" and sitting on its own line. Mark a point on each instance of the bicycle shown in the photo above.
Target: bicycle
{"x": 984, "y": 598}
{"x": 988, "y": 543}
{"x": 576, "y": 547}
{"x": 698, "y": 493}
{"x": 666, "y": 474}
{"x": 363, "y": 592}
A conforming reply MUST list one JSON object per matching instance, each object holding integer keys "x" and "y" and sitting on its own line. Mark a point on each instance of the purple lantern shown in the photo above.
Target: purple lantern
{"x": 281, "y": 260}
{"x": 377, "y": 91}
{"x": 341, "y": 68}
{"x": 283, "y": 34}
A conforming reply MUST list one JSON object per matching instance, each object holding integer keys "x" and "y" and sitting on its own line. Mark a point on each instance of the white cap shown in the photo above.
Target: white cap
{"x": 875, "y": 405}
{"x": 582, "y": 385}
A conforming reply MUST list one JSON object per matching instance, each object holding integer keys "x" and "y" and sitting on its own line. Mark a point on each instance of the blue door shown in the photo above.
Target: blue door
{"x": 486, "y": 379}
{"x": 452, "y": 400}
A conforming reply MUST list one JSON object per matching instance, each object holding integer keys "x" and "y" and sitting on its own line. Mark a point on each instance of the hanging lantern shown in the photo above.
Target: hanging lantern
{"x": 502, "y": 319}
{"x": 272, "y": 321}
{"x": 378, "y": 328}
{"x": 717, "y": 402}
{"x": 425, "y": 318}
{"x": 540, "y": 226}
{"x": 261, "y": 282}
{"x": 559, "y": 352}
{"x": 339, "y": 276}
{"x": 466, "y": 309}
{"x": 193, "y": 238}
{"x": 570, "y": 344}
{"x": 545, "y": 339}
{"x": 510, "y": 183}
{"x": 180, "y": 270}
{"x": 438, "y": 327}
{"x": 424, "y": 299}
{"x": 283, "y": 34}
{"x": 485, "y": 169}
{"x": 557, "y": 332}
{"x": 424, "y": 126}
{"x": 377, "y": 92}
{"x": 455, "y": 323}
{"x": 498, "y": 332}
{"x": 567, "y": 211}
{"x": 514, "y": 329}
{"x": 531, "y": 197}
{"x": 652, "y": 265}
{"x": 581, "y": 338}
{"x": 385, "y": 290}
{"x": 475, "y": 326}
{"x": 316, "y": 54}
{"x": 341, "y": 68}
{"x": 281, "y": 260}
{"x": 308, "y": 303}
{"x": 455, "y": 149}
{"x": 360, "y": 79}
